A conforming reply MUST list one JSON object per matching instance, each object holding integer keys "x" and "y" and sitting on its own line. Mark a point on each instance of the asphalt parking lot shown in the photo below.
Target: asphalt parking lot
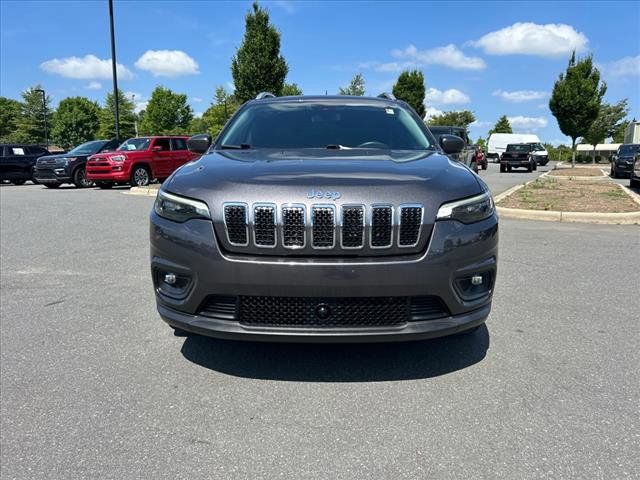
{"x": 95, "y": 385}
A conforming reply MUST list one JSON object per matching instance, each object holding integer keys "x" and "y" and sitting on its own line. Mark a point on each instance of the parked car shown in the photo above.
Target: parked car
{"x": 138, "y": 161}
{"x": 622, "y": 161}
{"x": 54, "y": 170}
{"x": 634, "y": 181}
{"x": 497, "y": 143}
{"x": 17, "y": 162}
{"x": 335, "y": 219}
{"x": 539, "y": 153}
{"x": 518, "y": 155}
{"x": 468, "y": 153}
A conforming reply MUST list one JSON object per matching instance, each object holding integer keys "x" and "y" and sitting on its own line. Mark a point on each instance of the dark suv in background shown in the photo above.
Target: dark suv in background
{"x": 54, "y": 170}
{"x": 17, "y": 161}
{"x": 622, "y": 161}
{"x": 468, "y": 155}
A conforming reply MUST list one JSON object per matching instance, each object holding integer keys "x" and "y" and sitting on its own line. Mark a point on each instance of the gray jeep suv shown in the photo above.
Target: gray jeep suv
{"x": 336, "y": 219}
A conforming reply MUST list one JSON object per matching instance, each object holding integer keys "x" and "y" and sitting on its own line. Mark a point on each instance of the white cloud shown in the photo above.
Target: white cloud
{"x": 139, "y": 101}
{"x": 84, "y": 68}
{"x": 447, "y": 97}
{"x": 550, "y": 40}
{"x": 196, "y": 99}
{"x": 432, "y": 112}
{"x": 93, "y": 85}
{"x": 481, "y": 124}
{"x": 520, "y": 95}
{"x": 625, "y": 67}
{"x": 288, "y": 6}
{"x": 167, "y": 63}
{"x": 448, "y": 56}
{"x": 527, "y": 123}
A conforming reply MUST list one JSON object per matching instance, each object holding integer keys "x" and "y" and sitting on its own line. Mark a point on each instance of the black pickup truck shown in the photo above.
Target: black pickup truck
{"x": 518, "y": 155}
{"x": 468, "y": 153}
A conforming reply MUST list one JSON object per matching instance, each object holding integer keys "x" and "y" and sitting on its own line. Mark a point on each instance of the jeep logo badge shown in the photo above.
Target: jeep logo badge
{"x": 313, "y": 193}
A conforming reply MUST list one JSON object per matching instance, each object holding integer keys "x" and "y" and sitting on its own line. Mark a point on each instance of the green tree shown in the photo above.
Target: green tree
{"x": 355, "y": 87}
{"x": 257, "y": 65}
{"x": 76, "y": 121}
{"x": 31, "y": 122}
{"x": 462, "y": 118}
{"x": 167, "y": 113}
{"x": 198, "y": 125}
{"x": 10, "y": 111}
{"x": 291, "y": 89}
{"x": 576, "y": 98}
{"x": 501, "y": 126}
{"x": 216, "y": 116}
{"x": 126, "y": 114}
{"x": 606, "y": 124}
{"x": 482, "y": 143}
{"x": 618, "y": 135}
{"x": 410, "y": 88}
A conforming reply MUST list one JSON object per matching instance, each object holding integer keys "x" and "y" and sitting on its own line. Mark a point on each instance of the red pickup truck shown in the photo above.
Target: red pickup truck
{"x": 139, "y": 160}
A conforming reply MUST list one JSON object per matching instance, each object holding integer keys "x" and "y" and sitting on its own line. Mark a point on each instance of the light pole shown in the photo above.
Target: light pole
{"x": 115, "y": 75}
{"x": 135, "y": 118}
{"x": 44, "y": 113}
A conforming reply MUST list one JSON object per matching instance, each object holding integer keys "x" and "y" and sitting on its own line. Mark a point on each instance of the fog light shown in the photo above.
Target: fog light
{"x": 473, "y": 287}
{"x": 59, "y": 171}
{"x": 170, "y": 278}
{"x": 476, "y": 280}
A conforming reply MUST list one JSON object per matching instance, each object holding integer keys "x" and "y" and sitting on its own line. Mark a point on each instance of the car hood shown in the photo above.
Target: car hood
{"x": 58, "y": 158}
{"x": 331, "y": 177}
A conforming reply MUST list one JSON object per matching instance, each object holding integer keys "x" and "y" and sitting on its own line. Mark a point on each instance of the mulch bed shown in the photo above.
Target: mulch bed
{"x": 576, "y": 172}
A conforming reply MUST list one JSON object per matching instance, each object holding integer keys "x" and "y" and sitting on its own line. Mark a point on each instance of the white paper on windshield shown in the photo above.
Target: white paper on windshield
{"x": 18, "y": 151}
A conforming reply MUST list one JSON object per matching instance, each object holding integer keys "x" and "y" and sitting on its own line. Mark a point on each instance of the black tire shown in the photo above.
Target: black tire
{"x": 634, "y": 183}
{"x": 614, "y": 174}
{"x": 33, "y": 177}
{"x": 535, "y": 166}
{"x": 529, "y": 168}
{"x": 80, "y": 180}
{"x": 18, "y": 182}
{"x": 502, "y": 168}
{"x": 509, "y": 168}
{"x": 140, "y": 176}
{"x": 484, "y": 165}
{"x": 52, "y": 185}
{"x": 104, "y": 185}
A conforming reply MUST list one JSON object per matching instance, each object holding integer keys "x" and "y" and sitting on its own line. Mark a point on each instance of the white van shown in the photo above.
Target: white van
{"x": 498, "y": 142}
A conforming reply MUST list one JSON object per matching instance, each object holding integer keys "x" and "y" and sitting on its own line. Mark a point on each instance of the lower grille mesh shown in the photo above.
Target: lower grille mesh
{"x": 324, "y": 312}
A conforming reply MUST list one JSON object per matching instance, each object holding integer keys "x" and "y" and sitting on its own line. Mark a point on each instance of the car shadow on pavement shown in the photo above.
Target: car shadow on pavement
{"x": 338, "y": 362}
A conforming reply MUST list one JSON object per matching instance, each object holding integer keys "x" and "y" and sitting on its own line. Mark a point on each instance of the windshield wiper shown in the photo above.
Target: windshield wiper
{"x": 242, "y": 146}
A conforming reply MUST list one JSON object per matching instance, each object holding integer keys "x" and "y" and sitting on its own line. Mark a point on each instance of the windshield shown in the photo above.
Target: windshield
{"x": 537, "y": 147}
{"x": 629, "y": 149}
{"x": 135, "y": 144}
{"x": 88, "y": 148}
{"x": 325, "y": 125}
{"x": 518, "y": 148}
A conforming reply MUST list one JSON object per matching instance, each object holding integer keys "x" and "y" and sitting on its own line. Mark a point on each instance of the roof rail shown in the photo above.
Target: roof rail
{"x": 388, "y": 96}
{"x": 262, "y": 95}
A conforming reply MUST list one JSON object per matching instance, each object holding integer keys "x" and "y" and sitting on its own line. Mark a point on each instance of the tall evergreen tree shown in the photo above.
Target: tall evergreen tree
{"x": 257, "y": 65}
{"x": 501, "y": 126}
{"x": 216, "y": 116}
{"x": 31, "y": 123}
{"x": 126, "y": 114}
{"x": 410, "y": 88}
{"x": 167, "y": 113}
{"x": 10, "y": 111}
{"x": 76, "y": 121}
{"x": 291, "y": 89}
{"x": 355, "y": 87}
{"x": 576, "y": 98}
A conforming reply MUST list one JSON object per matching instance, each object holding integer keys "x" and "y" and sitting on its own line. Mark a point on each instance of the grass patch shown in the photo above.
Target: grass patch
{"x": 571, "y": 195}
{"x": 577, "y": 172}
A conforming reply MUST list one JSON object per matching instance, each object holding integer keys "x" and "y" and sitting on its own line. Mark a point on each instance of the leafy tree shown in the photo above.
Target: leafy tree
{"x": 576, "y": 98}
{"x": 291, "y": 89}
{"x": 482, "y": 143}
{"x": 410, "y": 88}
{"x": 618, "y": 135}
{"x": 606, "y": 124}
{"x": 257, "y": 65}
{"x": 108, "y": 120}
{"x": 198, "y": 125}
{"x": 30, "y": 124}
{"x": 217, "y": 114}
{"x": 76, "y": 121}
{"x": 355, "y": 87}
{"x": 10, "y": 111}
{"x": 462, "y": 118}
{"x": 167, "y": 113}
{"x": 501, "y": 126}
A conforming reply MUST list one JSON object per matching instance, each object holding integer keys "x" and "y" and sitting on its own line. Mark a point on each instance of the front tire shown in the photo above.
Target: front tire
{"x": 503, "y": 168}
{"x": 52, "y": 185}
{"x": 614, "y": 174}
{"x": 80, "y": 179}
{"x": 140, "y": 176}
{"x": 18, "y": 182}
{"x": 633, "y": 183}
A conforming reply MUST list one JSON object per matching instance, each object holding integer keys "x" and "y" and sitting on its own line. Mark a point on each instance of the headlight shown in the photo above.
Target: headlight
{"x": 179, "y": 209}
{"x": 119, "y": 158}
{"x": 468, "y": 210}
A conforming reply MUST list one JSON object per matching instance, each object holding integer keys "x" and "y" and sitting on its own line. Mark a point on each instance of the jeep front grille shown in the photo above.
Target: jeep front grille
{"x": 323, "y": 227}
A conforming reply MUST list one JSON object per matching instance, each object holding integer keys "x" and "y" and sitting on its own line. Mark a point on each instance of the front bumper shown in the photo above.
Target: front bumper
{"x": 191, "y": 250}
{"x": 52, "y": 175}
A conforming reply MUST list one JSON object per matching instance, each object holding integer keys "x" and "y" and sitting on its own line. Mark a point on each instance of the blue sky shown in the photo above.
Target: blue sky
{"x": 493, "y": 58}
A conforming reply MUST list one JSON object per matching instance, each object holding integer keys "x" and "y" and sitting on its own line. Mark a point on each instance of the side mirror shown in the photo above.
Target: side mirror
{"x": 156, "y": 149}
{"x": 199, "y": 143}
{"x": 451, "y": 144}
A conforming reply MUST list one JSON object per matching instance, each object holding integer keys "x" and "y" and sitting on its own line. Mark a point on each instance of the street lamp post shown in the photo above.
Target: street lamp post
{"x": 135, "y": 118}
{"x": 115, "y": 75}
{"x": 44, "y": 113}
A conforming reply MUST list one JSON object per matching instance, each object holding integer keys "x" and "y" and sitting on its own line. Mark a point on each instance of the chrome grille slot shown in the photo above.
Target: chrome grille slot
{"x": 235, "y": 219}
{"x": 293, "y": 226}
{"x": 381, "y": 226}
{"x": 264, "y": 225}
{"x": 323, "y": 225}
{"x": 352, "y": 226}
{"x": 410, "y": 225}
